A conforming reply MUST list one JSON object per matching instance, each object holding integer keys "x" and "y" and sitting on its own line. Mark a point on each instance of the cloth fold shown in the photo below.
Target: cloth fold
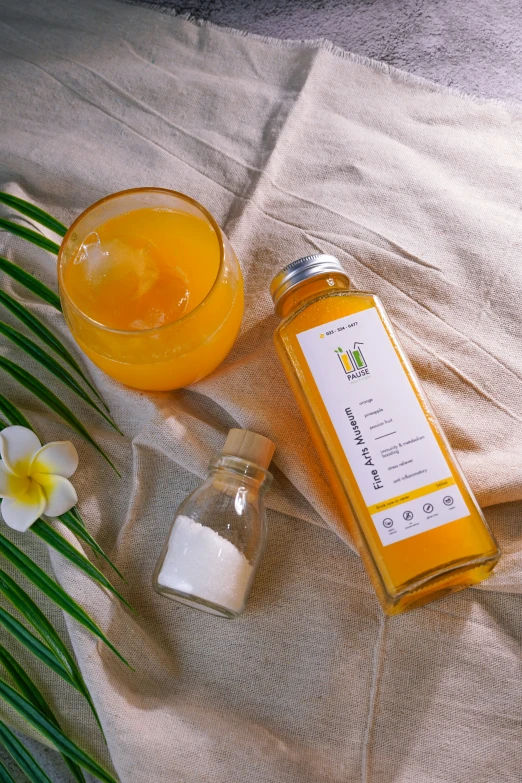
{"x": 295, "y": 149}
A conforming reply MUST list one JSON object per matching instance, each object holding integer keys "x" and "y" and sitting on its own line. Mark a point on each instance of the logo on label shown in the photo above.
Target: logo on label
{"x": 353, "y": 362}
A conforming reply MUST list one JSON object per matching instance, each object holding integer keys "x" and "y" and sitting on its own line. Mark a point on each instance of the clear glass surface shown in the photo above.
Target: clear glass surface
{"x": 216, "y": 540}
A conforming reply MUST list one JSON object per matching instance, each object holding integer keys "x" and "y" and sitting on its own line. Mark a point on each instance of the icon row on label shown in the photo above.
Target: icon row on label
{"x": 428, "y": 508}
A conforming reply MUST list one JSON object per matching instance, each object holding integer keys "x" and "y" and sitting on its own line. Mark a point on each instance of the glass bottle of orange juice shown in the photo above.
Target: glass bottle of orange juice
{"x": 402, "y": 494}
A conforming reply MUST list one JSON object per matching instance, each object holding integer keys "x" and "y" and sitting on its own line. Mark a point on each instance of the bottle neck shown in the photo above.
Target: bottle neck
{"x": 310, "y": 289}
{"x": 242, "y": 470}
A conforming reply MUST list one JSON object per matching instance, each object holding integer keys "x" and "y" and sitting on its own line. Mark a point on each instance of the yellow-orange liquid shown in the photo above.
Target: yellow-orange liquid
{"x": 415, "y": 570}
{"x": 149, "y": 272}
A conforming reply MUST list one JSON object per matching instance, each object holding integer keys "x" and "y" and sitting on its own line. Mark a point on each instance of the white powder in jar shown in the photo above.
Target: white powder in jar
{"x": 202, "y": 563}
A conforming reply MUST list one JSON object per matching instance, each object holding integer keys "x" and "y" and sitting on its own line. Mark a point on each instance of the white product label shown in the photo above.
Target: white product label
{"x": 401, "y": 471}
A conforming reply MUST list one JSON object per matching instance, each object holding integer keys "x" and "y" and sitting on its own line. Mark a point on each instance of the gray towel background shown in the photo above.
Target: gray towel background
{"x": 474, "y": 45}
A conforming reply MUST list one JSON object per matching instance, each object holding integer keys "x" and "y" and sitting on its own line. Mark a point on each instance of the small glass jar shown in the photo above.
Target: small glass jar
{"x": 218, "y": 536}
{"x": 177, "y": 353}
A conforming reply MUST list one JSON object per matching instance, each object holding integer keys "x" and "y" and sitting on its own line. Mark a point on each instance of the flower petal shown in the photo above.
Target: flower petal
{"x": 11, "y": 486}
{"x": 18, "y": 445}
{"x": 20, "y": 512}
{"x": 59, "y": 458}
{"x": 60, "y": 495}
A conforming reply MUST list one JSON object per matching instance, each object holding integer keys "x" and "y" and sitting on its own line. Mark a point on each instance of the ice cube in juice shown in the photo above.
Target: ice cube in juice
{"x": 143, "y": 269}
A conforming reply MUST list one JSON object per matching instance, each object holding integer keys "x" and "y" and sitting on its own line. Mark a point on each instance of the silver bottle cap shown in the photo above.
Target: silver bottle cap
{"x": 302, "y": 269}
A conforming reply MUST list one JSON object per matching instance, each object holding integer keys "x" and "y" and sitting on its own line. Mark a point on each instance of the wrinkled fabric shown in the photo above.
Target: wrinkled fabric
{"x": 295, "y": 149}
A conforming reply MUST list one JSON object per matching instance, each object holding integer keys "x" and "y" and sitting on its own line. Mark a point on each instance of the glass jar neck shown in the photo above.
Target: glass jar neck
{"x": 244, "y": 470}
{"x": 309, "y": 289}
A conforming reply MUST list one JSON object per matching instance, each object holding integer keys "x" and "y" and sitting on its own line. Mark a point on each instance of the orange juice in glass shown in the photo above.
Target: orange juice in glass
{"x": 151, "y": 288}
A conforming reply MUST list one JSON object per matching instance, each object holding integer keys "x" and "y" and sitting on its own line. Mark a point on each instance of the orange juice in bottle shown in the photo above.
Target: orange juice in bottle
{"x": 151, "y": 288}
{"x": 402, "y": 494}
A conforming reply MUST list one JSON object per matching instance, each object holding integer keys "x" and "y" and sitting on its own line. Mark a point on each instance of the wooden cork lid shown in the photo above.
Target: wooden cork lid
{"x": 249, "y": 446}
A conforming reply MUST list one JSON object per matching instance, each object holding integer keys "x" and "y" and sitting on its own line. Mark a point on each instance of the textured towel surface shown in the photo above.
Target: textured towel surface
{"x": 295, "y": 149}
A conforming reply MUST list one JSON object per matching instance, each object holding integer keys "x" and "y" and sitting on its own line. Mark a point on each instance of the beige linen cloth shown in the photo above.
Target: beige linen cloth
{"x": 295, "y": 149}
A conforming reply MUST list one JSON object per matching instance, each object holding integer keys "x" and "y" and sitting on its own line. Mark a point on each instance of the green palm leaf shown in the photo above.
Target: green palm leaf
{"x": 21, "y": 601}
{"x": 74, "y": 768}
{"x": 35, "y": 352}
{"x": 31, "y": 211}
{"x": 78, "y": 516}
{"x": 52, "y": 590}
{"x": 25, "y": 697}
{"x": 12, "y": 414}
{"x": 51, "y": 732}
{"x": 45, "y": 335}
{"x": 30, "y": 235}
{"x": 44, "y": 394}
{"x": 5, "y": 776}
{"x": 36, "y": 618}
{"x": 51, "y": 536}
{"x": 70, "y": 520}
{"x": 21, "y": 755}
{"x": 35, "y": 646}
{"x": 30, "y": 691}
{"x": 22, "y": 680}
{"x": 30, "y": 282}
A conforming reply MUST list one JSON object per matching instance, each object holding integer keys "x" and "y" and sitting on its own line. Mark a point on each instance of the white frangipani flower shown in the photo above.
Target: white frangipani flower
{"x": 33, "y": 478}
